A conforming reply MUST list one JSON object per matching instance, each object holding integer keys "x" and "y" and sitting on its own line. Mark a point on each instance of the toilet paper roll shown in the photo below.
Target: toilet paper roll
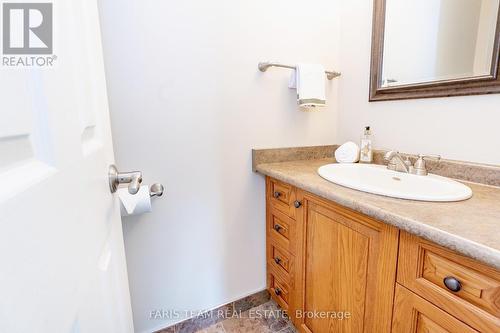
{"x": 134, "y": 204}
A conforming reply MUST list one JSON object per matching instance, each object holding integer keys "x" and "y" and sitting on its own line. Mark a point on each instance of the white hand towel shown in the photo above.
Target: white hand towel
{"x": 347, "y": 153}
{"x": 309, "y": 81}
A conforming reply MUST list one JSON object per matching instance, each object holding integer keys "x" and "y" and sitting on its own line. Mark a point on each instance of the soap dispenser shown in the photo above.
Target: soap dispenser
{"x": 366, "y": 155}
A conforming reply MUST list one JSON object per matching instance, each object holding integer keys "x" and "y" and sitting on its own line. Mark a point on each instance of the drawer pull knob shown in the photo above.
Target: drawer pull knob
{"x": 277, "y": 291}
{"x": 452, "y": 283}
{"x": 297, "y": 204}
{"x": 277, "y": 260}
{"x": 277, "y": 194}
{"x": 277, "y": 227}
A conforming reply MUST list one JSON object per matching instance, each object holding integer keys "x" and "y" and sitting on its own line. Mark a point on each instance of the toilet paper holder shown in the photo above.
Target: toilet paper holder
{"x": 156, "y": 190}
{"x": 115, "y": 178}
{"x": 133, "y": 179}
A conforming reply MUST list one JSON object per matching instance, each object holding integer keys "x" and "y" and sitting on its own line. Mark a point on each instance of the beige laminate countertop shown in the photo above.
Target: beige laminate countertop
{"x": 470, "y": 227}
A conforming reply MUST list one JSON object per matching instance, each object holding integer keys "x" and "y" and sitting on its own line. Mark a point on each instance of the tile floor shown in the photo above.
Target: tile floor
{"x": 265, "y": 318}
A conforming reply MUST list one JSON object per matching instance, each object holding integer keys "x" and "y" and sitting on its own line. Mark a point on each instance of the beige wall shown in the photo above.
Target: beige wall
{"x": 465, "y": 128}
{"x": 187, "y": 105}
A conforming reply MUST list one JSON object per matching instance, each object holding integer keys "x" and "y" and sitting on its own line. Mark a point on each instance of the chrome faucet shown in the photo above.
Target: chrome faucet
{"x": 397, "y": 163}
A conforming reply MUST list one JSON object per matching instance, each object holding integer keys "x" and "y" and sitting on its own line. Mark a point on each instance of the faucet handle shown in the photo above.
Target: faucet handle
{"x": 419, "y": 168}
{"x": 433, "y": 157}
{"x": 390, "y": 154}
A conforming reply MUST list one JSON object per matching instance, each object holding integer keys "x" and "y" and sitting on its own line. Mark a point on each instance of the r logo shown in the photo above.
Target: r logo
{"x": 27, "y": 28}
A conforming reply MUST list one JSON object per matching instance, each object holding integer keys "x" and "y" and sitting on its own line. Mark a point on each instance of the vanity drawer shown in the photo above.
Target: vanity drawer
{"x": 473, "y": 291}
{"x": 413, "y": 314}
{"x": 281, "y": 197}
{"x": 279, "y": 290}
{"x": 280, "y": 229}
{"x": 280, "y": 259}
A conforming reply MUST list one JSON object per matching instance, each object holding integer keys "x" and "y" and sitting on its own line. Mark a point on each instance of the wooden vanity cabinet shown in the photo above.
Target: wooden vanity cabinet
{"x": 332, "y": 263}
{"x": 325, "y": 262}
{"x": 280, "y": 242}
{"x": 346, "y": 263}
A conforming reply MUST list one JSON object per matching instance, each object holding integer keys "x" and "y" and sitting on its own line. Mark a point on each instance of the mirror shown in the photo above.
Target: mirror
{"x": 432, "y": 48}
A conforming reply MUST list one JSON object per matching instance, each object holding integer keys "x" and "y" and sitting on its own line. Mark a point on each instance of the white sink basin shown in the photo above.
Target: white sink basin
{"x": 377, "y": 179}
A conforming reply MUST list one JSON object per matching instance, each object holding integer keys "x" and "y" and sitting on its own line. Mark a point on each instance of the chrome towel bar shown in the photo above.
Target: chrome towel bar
{"x": 263, "y": 66}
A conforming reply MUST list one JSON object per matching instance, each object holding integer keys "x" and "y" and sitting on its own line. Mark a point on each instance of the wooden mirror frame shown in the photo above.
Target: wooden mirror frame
{"x": 488, "y": 84}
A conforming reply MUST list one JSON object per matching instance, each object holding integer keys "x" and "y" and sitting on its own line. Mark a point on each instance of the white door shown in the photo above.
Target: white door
{"x": 62, "y": 260}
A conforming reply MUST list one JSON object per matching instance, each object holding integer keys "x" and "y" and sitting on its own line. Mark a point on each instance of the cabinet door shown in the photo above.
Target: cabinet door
{"x": 413, "y": 314}
{"x": 346, "y": 269}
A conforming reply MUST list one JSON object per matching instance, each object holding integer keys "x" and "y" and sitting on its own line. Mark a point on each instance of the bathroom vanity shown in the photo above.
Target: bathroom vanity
{"x": 340, "y": 260}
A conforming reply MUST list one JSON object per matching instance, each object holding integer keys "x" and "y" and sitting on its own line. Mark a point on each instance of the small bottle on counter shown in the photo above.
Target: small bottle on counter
{"x": 366, "y": 155}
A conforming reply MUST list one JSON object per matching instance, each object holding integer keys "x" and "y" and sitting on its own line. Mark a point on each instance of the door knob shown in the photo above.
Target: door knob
{"x": 133, "y": 179}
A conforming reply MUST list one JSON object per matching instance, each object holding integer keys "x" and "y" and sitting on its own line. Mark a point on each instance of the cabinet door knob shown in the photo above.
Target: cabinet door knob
{"x": 277, "y": 291}
{"x": 297, "y": 204}
{"x": 452, "y": 283}
{"x": 276, "y": 194}
{"x": 277, "y": 227}
{"x": 277, "y": 260}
